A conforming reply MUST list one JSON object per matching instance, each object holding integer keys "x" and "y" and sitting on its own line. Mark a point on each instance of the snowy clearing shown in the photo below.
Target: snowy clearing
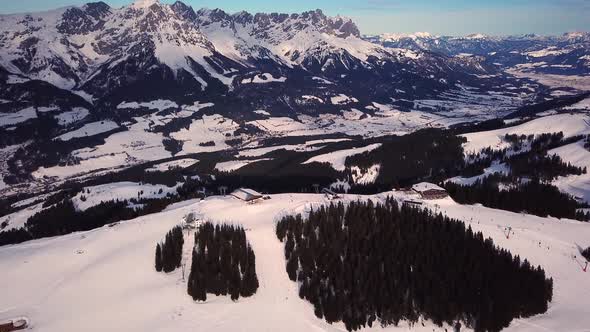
{"x": 343, "y": 100}
{"x": 233, "y": 165}
{"x": 91, "y": 196}
{"x": 264, "y": 78}
{"x": 73, "y": 116}
{"x": 18, "y": 219}
{"x": 123, "y": 149}
{"x": 576, "y": 185}
{"x": 159, "y": 104}
{"x": 569, "y": 124}
{"x": 181, "y": 163}
{"x": 10, "y": 119}
{"x": 90, "y": 129}
{"x": 210, "y": 128}
{"x": 337, "y": 158}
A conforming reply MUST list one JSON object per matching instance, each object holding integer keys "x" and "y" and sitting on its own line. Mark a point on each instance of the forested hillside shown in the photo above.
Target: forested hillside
{"x": 368, "y": 264}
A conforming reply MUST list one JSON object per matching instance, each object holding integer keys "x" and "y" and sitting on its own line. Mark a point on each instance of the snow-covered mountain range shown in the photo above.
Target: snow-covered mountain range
{"x": 565, "y": 54}
{"x": 92, "y": 88}
{"x": 108, "y": 54}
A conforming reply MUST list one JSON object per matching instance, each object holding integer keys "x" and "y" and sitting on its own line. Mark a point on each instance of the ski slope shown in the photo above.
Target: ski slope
{"x": 105, "y": 279}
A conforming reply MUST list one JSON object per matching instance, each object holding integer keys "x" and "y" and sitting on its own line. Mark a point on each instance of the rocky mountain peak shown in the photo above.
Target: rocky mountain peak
{"x": 144, "y": 3}
{"x": 183, "y": 10}
{"x": 263, "y": 23}
{"x": 85, "y": 19}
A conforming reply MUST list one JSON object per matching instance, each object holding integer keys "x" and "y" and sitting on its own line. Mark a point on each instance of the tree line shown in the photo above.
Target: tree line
{"x": 223, "y": 263}
{"x": 63, "y": 218}
{"x": 59, "y": 215}
{"x": 533, "y": 197}
{"x": 533, "y": 162}
{"x": 368, "y": 264}
{"x": 169, "y": 251}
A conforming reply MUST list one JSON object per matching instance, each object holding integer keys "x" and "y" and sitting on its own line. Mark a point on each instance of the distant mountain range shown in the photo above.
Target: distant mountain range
{"x": 565, "y": 54}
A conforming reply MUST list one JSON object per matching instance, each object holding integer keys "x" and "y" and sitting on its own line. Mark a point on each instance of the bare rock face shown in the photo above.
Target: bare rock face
{"x": 84, "y": 20}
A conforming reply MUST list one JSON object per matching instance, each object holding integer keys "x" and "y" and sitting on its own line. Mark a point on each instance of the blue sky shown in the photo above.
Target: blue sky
{"x": 452, "y": 17}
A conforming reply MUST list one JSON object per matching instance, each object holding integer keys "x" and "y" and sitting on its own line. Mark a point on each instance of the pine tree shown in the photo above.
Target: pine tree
{"x": 158, "y": 258}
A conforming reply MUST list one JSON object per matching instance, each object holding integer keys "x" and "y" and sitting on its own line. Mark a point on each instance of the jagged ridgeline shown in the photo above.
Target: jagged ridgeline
{"x": 169, "y": 251}
{"x": 223, "y": 263}
{"x": 368, "y": 264}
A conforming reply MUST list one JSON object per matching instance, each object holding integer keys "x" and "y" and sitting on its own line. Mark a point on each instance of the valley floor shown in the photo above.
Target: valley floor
{"x": 105, "y": 279}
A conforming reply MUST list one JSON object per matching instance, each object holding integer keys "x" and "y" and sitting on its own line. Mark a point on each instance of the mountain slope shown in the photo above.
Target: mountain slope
{"x": 119, "y": 262}
{"x": 140, "y": 75}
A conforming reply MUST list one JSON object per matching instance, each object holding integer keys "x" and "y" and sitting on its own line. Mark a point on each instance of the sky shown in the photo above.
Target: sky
{"x": 442, "y": 17}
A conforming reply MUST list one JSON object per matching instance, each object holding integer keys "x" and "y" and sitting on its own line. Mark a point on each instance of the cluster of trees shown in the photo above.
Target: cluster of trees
{"x": 548, "y": 141}
{"x": 223, "y": 263}
{"x": 540, "y": 142}
{"x": 172, "y": 145}
{"x": 586, "y": 253}
{"x": 59, "y": 215}
{"x": 532, "y": 162}
{"x": 49, "y": 152}
{"x": 544, "y": 168}
{"x": 169, "y": 251}
{"x": 63, "y": 218}
{"x": 476, "y": 163}
{"x": 533, "y": 197}
{"x": 546, "y": 105}
{"x": 429, "y": 154}
{"x": 366, "y": 264}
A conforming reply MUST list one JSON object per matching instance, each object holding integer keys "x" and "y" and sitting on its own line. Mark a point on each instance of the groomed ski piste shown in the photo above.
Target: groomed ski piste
{"x": 104, "y": 280}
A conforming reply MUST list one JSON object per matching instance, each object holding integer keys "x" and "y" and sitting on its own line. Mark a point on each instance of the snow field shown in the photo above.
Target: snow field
{"x": 90, "y": 129}
{"x": 10, "y": 119}
{"x": 569, "y": 124}
{"x": 118, "y": 191}
{"x": 109, "y": 275}
{"x": 576, "y": 185}
{"x": 122, "y": 149}
{"x": 234, "y": 165}
{"x": 338, "y": 158}
{"x": 181, "y": 163}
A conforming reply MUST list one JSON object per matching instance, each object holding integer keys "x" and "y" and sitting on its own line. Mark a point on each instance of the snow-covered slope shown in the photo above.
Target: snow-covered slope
{"x": 569, "y": 124}
{"x": 337, "y": 159}
{"x": 576, "y": 185}
{"x": 105, "y": 279}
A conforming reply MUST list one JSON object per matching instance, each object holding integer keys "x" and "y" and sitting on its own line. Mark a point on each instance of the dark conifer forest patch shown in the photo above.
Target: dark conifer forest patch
{"x": 169, "y": 251}
{"x": 371, "y": 264}
{"x": 223, "y": 263}
{"x": 429, "y": 154}
{"x": 586, "y": 253}
{"x": 533, "y": 197}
